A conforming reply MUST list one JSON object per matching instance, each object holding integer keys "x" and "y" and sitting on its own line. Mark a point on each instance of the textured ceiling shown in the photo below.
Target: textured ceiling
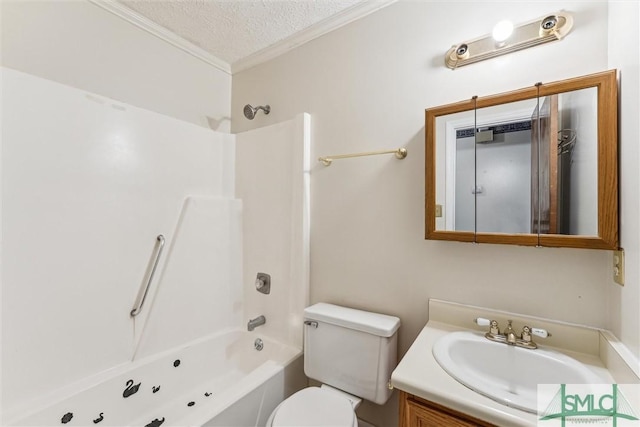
{"x": 234, "y": 29}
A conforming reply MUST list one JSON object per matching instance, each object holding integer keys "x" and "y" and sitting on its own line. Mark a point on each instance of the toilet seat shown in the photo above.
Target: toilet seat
{"x": 313, "y": 406}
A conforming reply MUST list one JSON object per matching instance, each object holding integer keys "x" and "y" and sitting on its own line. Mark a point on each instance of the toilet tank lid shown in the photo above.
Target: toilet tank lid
{"x": 373, "y": 323}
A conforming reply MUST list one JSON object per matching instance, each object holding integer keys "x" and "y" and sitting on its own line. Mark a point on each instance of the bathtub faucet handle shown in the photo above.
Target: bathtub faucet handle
{"x": 263, "y": 283}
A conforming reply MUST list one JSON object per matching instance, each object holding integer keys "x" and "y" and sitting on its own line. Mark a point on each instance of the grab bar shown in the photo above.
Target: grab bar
{"x": 137, "y": 310}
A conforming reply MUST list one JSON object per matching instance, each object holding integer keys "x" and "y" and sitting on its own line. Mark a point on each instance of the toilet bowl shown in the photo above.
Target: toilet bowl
{"x": 316, "y": 406}
{"x": 352, "y": 353}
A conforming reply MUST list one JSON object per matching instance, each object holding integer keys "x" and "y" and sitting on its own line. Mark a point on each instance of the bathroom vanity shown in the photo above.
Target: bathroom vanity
{"x": 436, "y": 389}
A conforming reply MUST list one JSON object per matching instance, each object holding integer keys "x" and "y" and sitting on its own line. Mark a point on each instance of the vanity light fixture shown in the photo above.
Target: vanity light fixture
{"x": 506, "y": 38}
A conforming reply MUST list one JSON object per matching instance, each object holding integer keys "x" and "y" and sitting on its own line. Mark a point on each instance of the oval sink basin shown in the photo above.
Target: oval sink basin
{"x": 505, "y": 373}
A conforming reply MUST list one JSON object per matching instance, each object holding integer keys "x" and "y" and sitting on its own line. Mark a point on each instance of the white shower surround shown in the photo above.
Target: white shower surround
{"x": 100, "y": 180}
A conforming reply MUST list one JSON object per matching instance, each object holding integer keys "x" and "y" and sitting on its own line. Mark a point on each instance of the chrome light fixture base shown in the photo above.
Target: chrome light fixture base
{"x": 549, "y": 28}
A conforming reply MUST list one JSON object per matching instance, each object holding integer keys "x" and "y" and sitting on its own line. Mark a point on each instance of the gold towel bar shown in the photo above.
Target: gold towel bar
{"x": 400, "y": 153}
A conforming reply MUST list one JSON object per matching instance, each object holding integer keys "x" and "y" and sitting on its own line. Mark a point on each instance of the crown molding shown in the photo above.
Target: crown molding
{"x": 151, "y": 27}
{"x": 325, "y": 26}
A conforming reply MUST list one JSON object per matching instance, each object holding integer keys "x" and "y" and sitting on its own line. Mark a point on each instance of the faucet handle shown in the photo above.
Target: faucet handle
{"x": 263, "y": 283}
{"x": 528, "y": 331}
{"x": 493, "y": 329}
{"x": 542, "y": 333}
{"x": 493, "y": 325}
{"x": 481, "y": 321}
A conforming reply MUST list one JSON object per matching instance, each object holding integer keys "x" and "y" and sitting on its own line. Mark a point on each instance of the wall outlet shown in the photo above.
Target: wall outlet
{"x": 438, "y": 211}
{"x": 618, "y": 266}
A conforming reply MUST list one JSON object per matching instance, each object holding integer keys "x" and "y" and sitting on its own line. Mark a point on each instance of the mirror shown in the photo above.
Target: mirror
{"x": 537, "y": 166}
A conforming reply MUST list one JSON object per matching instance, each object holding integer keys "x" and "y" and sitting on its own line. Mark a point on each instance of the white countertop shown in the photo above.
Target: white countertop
{"x": 419, "y": 374}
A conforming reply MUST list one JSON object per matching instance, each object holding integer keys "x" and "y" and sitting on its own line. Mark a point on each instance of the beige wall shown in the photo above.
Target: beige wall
{"x": 624, "y": 302}
{"x": 82, "y": 45}
{"x": 366, "y": 86}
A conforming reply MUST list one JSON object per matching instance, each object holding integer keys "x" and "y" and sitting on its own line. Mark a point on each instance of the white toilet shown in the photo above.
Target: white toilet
{"x": 352, "y": 352}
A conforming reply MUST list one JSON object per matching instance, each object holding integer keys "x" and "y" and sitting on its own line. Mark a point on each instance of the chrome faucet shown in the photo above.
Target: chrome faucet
{"x": 254, "y": 323}
{"x": 509, "y": 336}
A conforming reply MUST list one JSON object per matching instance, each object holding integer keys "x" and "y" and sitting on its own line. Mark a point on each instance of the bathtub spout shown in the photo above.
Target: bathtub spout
{"x": 254, "y": 323}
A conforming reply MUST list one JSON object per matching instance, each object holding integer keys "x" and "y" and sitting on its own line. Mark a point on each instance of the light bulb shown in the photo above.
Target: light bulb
{"x": 502, "y": 31}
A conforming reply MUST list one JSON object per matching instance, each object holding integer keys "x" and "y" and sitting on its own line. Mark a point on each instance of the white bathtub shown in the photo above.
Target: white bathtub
{"x": 218, "y": 381}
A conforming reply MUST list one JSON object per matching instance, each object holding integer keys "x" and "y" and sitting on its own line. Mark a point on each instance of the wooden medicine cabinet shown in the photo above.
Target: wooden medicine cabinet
{"x": 537, "y": 166}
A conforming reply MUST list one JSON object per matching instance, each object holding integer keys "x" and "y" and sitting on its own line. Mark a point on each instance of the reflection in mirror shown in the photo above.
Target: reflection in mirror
{"x": 450, "y": 178}
{"x": 544, "y": 165}
{"x": 521, "y": 171}
{"x": 536, "y": 166}
{"x": 565, "y": 197}
{"x": 503, "y": 167}
{"x": 576, "y": 177}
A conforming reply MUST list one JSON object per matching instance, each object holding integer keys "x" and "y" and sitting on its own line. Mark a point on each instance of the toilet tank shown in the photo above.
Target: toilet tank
{"x": 352, "y": 350}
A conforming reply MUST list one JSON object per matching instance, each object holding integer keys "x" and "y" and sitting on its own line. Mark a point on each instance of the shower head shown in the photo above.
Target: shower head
{"x": 250, "y": 112}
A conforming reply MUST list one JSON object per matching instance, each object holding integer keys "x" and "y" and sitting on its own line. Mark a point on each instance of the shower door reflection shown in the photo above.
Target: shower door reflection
{"x": 504, "y": 167}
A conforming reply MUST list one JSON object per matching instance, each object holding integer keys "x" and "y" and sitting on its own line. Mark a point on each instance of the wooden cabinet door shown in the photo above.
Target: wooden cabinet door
{"x": 417, "y": 412}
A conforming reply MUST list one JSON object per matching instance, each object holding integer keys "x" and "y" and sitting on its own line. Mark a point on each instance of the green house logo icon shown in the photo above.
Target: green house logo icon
{"x": 589, "y": 407}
